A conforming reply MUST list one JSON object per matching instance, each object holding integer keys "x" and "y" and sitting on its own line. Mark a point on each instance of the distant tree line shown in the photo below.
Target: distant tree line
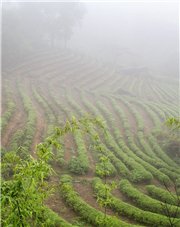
{"x": 29, "y": 26}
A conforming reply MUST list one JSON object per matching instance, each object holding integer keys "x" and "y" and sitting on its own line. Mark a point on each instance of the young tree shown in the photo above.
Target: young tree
{"x": 24, "y": 183}
{"x": 104, "y": 197}
{"x": 24, "y": 192}
{"x": 173, "y": 122}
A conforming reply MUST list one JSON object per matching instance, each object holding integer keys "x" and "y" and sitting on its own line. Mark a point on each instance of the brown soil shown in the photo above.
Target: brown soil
{"x": 49, "y": 76}
{"x": 40, "y": 116}
{"x": 57, "y": 204}
{"x": 129, "y": 115}
{"x": 148, "y": 123}
{"x": 86, "y": 192}
{"x": 119, "y": 195}
{"x": 70, "y": 147}
{"x": 41, "y": 125}
{"x": 40, "y": 130}
{"x": 118, "y": 121}
{"x": 15, "y": 123}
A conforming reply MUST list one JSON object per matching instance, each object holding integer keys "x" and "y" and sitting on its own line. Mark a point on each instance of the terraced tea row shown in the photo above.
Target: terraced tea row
{"x": 50, "y": 88}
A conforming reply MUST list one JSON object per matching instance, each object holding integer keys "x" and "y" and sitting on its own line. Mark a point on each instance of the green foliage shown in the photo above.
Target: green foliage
{"x": 25, "y": 136}
{"x": 174, "y": 123}
{"x": 154, "y": 150}
{"x": 137, "y": 172}
{"x": 159, "y": 151}
{"x": 24, "y": 187}
{"x": 76, "y": 166}
{"x": 163, "y": 195}
{"x": 52, "y": 219}
{"x": 104, "y": 199}
{"x": 99, "y": 147}
{"x": 50, "y": 116}
{"x": 59, "y": 156}
{"x": 172, "y": 174}
{"x": 169, "y": 140}
{"x": 132, "y": 212}
{"x": 23, "y": 194}
{"x": 104, "y": 167}
{"x": 8, "y": 114}
{"x": 171, "y": 143}
{"x": 150, "y": 164}
{"x": 145, "y": 202}
{"x": 9, "y": 161}
{"x": 104, "y": 172}
{"x": 80, "y": 164}
{"x": 88, "y": 213}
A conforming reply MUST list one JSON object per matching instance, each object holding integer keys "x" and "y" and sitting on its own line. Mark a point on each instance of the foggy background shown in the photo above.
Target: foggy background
{"x": 127, "y": 34}
{"x": 132, "y": 34}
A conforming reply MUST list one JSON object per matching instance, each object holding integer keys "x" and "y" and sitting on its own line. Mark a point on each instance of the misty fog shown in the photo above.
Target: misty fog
{"x": 133, "y": 34}
{"x": 90, "y": 114}
{"x": 129, "y": 34}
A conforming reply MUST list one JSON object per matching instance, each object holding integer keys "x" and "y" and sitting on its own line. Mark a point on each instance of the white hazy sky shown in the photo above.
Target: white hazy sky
{"x": 147, "y": 29}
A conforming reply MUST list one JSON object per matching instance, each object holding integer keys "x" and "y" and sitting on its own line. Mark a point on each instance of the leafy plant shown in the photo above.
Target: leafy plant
{"x": 130, "y": 211}
{"x": 105, "y": 200}
{"x": 24, "y": 185}
{"x": 23, "y": 195}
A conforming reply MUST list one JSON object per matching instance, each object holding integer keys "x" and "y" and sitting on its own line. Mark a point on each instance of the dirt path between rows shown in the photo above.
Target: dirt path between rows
{"x": 15, "y": 123}
{"x": 18, "y": 119}
{"x": 41, "y": 124}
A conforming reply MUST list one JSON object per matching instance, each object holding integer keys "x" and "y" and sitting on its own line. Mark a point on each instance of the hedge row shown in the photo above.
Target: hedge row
{"x": 157, "y": 110}
{"x": 110, "y": 169}
{"x": 138, "y": 173}
{"x": 136, "y": 214}
{"x": 170, "y": 173}
{"x": 171, "y": 110}
{"x": 54, "y": 219}
{"x": 160, "y": 152}
{"x": 149, "y": 166}
{"x": 155, "y": 151}
{"x": 149, "y": 151}
{"x": 163, "y": 195}
{"x": 79, "y": 164}
{"x": 118, "y": 164}
{"x": 151, "y": 113}
{"x": 131, "y": 169}
{"x": 8, "y": 114}
{"x": 145, "y": 202}
{"x": 47, "y": 111}
{"x": 18, "y": 136}
{"x": 24, "y": 137}
{"x": 31, "y": 121}
{"x": 141, "y": 158}
{"x": 74, "y": 104}
{"x": 130, "y": 139}
{"x": 59, "y": 154}
{"x": 76, "y": 163}
{"x": 155, "y": 147}
{"x": 147, "y": 162}
{"x": 87, "y": 212}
